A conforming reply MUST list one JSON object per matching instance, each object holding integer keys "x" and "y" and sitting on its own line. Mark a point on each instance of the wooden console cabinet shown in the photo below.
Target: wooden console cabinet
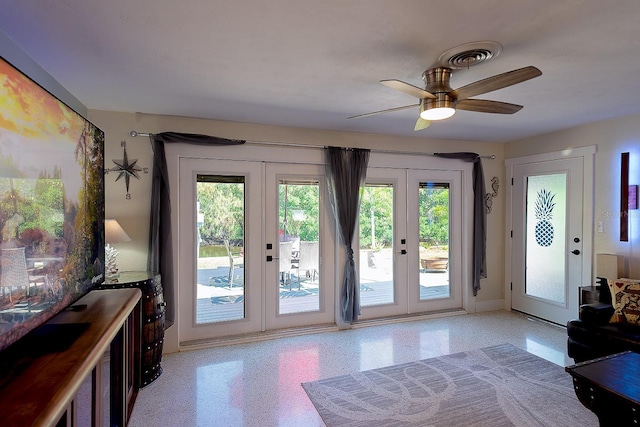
{"x": 41, "y": 374}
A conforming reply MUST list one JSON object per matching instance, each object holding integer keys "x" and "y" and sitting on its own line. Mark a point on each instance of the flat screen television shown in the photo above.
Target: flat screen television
{"x": 51, "y": 205}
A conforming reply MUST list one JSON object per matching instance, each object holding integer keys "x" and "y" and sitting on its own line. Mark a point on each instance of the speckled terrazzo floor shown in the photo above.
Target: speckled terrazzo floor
{"x": 258, "y": 384}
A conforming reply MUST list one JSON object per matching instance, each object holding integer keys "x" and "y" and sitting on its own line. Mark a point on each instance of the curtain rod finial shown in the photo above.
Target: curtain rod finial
{"x": 133, "y": 133}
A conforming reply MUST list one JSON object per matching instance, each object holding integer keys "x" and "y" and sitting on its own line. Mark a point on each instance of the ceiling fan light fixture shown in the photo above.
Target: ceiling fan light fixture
{"x": 438, "y": 113}
{"x": 436, "y": 109}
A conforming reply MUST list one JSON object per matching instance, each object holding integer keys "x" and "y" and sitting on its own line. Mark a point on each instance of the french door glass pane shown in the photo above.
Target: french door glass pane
{"x": 376, "y": 245}
{"x": 545, "y": 239}
{"x": 433, "y": 222}
{"x": 220, "y": 239}
{"x": 299, "y": 246}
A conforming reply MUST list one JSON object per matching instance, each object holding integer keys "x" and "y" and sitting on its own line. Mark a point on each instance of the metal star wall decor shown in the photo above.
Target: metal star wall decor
{"x": 126, "y": 168}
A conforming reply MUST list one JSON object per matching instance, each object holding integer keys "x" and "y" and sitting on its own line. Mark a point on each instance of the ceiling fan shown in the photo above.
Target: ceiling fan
{"x": 439, "y": 101}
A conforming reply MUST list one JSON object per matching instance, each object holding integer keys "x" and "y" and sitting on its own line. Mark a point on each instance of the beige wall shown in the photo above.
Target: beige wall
{"x": 133, "y": 214}
{"x": 611, "y": 137}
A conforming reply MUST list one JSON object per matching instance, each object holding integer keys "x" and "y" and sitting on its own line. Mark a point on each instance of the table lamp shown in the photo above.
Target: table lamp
{"x": 113, "y": 233}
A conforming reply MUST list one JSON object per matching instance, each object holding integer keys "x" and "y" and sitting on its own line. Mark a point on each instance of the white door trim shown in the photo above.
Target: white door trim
{"x": 587, "y": 154}
{"x": 326, "y": 312}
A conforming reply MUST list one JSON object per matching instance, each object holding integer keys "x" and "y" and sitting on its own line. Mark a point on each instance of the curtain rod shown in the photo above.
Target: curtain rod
{"x": 134, "y": 133}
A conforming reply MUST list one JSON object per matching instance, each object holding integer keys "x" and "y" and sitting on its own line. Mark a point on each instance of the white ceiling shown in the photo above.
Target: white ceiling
{"x": 314, "y": 63}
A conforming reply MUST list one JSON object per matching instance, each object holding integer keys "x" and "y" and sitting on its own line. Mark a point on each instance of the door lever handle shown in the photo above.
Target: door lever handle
{"x": 575, "y": 252}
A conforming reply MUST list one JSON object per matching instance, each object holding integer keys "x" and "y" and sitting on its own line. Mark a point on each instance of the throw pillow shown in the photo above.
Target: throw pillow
{"x": 625, "y": 298}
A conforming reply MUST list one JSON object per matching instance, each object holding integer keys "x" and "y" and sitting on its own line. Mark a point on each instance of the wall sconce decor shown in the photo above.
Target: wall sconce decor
{"x": 624, "y": 197}
{"x": 488, "y": 198}
{"x": 126, "y": 168}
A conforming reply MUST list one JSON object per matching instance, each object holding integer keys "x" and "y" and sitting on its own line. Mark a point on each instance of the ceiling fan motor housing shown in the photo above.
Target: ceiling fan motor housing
{"x": 437, "y": 83}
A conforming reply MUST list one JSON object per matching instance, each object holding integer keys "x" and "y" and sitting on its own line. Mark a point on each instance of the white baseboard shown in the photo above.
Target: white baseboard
{"x": 492, "y": 305}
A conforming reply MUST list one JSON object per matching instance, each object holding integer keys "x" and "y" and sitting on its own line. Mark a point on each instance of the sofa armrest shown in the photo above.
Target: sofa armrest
{"x": 596, "y": 314}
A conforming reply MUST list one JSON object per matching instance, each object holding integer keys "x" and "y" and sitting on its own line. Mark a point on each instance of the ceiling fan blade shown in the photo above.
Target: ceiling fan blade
{"x": 487, "y": 106}
{"x": 412, "y": 90}
{"x": 496, "y": 82}
{"x": 384, "y": 111}
{"x": 421, "y": 124}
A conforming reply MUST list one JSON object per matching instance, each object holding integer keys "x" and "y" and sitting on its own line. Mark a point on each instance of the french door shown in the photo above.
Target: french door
{"x": 257, "y": 250}
{"x": 551, "y": 255}
{"x": 410, "y": 242}
{"x": 253, "y": 239}
{"x": 221, "y": 272}
{"x": 298, "y": 241}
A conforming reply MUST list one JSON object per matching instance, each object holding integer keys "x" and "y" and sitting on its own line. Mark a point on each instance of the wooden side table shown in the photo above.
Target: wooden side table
{"x": 153, "y": 312}
{"x": 608, "y": 387}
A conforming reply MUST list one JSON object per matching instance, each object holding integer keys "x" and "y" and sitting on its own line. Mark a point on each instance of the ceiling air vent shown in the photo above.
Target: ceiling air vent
{"x": 469, "y": 54}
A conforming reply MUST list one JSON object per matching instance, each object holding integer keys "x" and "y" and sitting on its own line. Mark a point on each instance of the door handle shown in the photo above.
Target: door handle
{"x": 403, "y": 252}
{"x": 575, "y": 252}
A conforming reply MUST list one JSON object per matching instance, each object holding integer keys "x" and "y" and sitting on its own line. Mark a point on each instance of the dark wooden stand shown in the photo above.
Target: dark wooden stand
{"x": 41, "y": 374}
{"x": 608, "y": 387}
{"x": 153, "y": 309}
{"x": 589, "y": 295}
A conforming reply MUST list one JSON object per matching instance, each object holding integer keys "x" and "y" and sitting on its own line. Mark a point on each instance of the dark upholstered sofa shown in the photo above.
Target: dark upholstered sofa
{"x": 593, "y": 335}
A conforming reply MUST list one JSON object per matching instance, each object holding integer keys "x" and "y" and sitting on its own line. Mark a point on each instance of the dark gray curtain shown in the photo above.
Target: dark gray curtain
{"x": 345, "y": 173}
{"x": 479, "y": 217}
{"x": 160, "y": 257}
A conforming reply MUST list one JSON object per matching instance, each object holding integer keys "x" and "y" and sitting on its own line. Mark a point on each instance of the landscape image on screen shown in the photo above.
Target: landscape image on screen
{"x": 51, "y": 205}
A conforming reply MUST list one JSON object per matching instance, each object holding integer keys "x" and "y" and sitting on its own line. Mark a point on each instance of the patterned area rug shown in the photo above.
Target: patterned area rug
{"x": 494, "y": 386}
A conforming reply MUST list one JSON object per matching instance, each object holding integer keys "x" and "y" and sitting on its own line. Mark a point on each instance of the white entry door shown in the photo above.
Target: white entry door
{"x": 548, "y": 239}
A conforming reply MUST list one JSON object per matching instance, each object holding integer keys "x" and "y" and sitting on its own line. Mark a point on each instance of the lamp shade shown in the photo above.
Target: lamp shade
{"x": 610, "y": 266}
{"x": 113, "y": 232}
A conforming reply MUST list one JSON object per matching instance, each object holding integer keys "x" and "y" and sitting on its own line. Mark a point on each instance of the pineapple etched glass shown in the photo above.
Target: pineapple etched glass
{"x": 546, "y": 237}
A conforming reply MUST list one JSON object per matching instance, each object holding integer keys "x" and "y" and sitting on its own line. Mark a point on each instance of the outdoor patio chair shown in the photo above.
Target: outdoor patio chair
{"x": 235, "y": 259}
{"x": 13, "y": 269}
{"x": 309, "y": 259}
{"x": 284, "y": 263}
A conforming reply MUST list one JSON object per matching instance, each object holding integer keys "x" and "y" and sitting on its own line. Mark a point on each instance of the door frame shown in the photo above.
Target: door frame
{"x": 404, "y": 161}
{"x": 456, "y": 243}
{"x": 406, "y": 266}
{"x": 253, "y": 319}
{"x": 174, "y": 154}
{"x": 396, "y": 177}
{"x": 326, "y": 311}
{"x": 587, "y": 154}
